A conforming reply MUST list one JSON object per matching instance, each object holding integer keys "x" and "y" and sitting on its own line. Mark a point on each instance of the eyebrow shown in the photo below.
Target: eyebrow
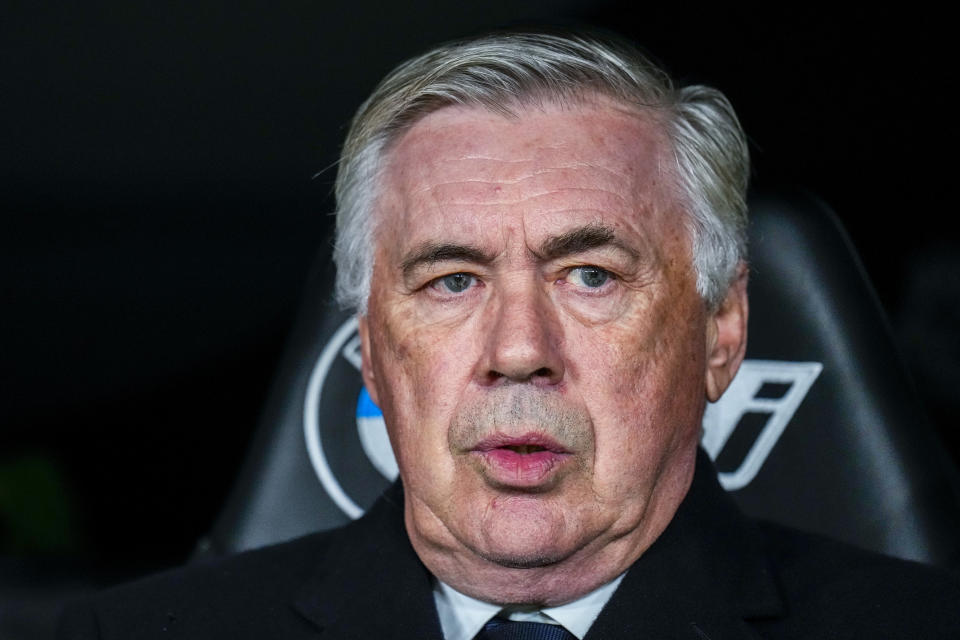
{"x": 566, "y": 244}
{"x": 431, "y": 252}
{"x": 583, "y": 239}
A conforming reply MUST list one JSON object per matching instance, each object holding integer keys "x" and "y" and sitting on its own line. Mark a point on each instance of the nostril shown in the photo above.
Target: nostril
{"x": 543, "y": 373}
{"x": 494, "y": 377}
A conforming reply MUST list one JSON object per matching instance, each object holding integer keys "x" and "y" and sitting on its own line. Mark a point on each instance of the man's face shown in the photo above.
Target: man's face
{"x": 536, "y": 342}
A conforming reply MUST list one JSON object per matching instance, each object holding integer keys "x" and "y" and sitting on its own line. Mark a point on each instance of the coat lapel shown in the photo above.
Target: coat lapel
{"x": 704, "y": 578}
{"x": 371, "y": 584}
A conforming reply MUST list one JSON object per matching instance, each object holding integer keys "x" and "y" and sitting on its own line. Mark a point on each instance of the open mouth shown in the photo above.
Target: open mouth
{"x": 524, "y": 449}
{"x": 524, "y": 445}
{"x": 525, "y": 462}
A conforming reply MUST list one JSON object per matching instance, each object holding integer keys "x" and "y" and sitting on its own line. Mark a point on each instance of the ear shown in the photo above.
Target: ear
{"x": 727, "y": 336}
{"x": 366, "y": 366}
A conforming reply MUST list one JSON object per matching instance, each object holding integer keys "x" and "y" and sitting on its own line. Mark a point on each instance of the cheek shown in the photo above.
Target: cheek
{"x": 424, "y": 377}
{"x": 644, "y": 386}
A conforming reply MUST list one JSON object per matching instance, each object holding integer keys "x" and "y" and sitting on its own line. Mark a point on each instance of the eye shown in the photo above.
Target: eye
{"x": 454, "y": 283}
{"x": 589, "y": 276}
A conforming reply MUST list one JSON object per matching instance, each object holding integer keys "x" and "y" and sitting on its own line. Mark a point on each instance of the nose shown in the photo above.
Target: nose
{"x": 525, "y": 340}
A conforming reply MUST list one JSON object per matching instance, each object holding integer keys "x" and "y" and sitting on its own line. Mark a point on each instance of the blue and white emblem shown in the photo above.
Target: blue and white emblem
{"x": 373, "y": 436}
{"x": 345, "y": 435}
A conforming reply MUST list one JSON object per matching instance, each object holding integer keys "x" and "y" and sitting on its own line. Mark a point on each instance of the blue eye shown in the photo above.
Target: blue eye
{"x": 457, "y": 282}
{"x": 591, "y": 277}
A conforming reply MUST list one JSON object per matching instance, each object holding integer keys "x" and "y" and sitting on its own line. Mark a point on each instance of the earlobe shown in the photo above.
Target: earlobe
{"x": 727, "y": 336}
{"x": 366, "y": 369}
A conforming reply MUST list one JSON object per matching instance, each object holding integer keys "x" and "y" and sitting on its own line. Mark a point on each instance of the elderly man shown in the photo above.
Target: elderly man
{"x": 544, "y": 240}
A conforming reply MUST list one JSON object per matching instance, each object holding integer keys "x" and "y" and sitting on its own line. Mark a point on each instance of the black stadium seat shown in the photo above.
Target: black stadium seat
{"x": 821, "y": 429}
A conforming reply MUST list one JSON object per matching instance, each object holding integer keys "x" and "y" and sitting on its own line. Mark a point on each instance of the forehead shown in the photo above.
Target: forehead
{"x": 548, "y": 167}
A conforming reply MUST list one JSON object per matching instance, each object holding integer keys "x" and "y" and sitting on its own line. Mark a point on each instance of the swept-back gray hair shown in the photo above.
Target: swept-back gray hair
{"x": 502, "y": 72}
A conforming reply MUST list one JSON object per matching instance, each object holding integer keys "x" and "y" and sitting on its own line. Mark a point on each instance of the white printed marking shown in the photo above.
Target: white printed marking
{"x": 311, "y": 415}
{"x": 721, "y": 418}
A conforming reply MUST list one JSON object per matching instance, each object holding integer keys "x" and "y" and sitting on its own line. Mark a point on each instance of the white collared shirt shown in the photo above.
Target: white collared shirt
{"x": 462, "y": 617}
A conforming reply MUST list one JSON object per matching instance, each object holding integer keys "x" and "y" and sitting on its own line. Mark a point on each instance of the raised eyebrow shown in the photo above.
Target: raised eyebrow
{"x": 583, "y": 239}
{"x": 430, "y": 253}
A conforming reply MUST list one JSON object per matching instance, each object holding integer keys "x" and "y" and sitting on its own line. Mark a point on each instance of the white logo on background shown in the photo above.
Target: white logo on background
{"x": 721, "y": 418}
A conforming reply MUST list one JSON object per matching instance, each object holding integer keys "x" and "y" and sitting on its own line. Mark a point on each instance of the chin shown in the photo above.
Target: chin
{"x": 524, "y": 540}
{"x": 525, "y": 559}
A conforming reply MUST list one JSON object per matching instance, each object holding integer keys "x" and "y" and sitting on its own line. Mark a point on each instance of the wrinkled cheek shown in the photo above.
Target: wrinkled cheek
{"x": 423, "y": 400}
{"x": 648, "y": 418}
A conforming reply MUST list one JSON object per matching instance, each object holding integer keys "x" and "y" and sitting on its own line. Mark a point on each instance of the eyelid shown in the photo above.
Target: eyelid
{"x": 426, "y": 275}
{"x": 611, "y": 276}
{"x": 437, "y": 285}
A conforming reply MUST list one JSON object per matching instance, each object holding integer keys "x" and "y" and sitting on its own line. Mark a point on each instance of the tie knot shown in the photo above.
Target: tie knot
{"x": 503, "y": 629}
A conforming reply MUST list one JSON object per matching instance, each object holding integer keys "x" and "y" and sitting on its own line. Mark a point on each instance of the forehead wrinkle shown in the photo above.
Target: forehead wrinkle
{"x": 505, "y": 199}
{"x": 494, "y": 159}
{"x": 615, "y": 176}
{"x": 595, "y": 190}
{"x": 557, "y": 167}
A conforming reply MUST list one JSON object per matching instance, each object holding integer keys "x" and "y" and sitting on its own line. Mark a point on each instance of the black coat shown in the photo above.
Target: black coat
{"x": 713, "y": 574}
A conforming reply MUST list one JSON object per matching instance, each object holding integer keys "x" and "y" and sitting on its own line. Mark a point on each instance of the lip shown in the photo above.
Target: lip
{"x": 527, "y": 462}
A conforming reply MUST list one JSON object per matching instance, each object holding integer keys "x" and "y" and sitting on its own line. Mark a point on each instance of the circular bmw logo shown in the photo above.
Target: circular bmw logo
{"x": 344, "y": 430}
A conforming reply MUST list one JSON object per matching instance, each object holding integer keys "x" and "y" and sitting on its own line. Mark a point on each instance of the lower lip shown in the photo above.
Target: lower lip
{"x": 521, "y": 470}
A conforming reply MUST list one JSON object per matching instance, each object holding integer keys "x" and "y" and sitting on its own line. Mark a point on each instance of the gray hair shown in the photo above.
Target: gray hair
{"x": 503, "y": 71}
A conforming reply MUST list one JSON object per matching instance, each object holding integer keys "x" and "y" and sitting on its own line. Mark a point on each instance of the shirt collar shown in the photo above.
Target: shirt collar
{"x": 462, "y": 617}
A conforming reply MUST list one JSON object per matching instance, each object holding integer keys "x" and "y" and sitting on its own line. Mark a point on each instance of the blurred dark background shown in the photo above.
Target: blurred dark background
{"x": 166, "y": 173}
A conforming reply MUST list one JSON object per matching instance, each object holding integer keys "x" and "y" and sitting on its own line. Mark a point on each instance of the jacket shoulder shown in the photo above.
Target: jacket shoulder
{"x": 238, "y": 596}
{"x": 835, "y": 590}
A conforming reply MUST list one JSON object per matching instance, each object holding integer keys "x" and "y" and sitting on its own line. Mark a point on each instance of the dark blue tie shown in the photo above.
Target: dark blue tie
{"x": 503, "y": 629}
